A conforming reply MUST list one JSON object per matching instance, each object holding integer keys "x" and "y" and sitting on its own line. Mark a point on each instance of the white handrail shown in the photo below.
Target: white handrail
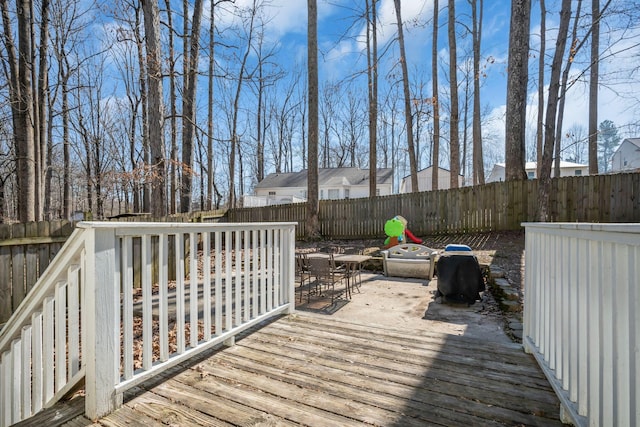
{"x": 85, "y": 319}
{"x": 581, "y": 319}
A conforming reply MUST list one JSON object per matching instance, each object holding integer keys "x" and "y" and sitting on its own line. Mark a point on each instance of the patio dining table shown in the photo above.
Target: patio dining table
{"x": 353, "y": 264}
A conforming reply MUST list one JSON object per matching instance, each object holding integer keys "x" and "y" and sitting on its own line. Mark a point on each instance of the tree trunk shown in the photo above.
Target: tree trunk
{"x": 478, "y": 161}
{"x": 155, "y": 108}
{"x": 173, "y": 166}
{"x": 573, "y": 50}
{"x": 517, "y": 78}
{"x": 544, "y": 186}
{"x": 312, "y": 225}
{"x": 209, "y": 202}
{"x": 66, "y": 143}
{"x": 454, "y": 138}
{"x": 413, "y": 164}
{"x": 593, "y": 87}
{"x": 25, "y": 149}
{"x": 435, "y": 100}
{"x": 372, "y": 74}
{"x": 42, "y": 105}
{"x": 236, "y": 109}
{"x": 188, "y": 108}
{"x": 540, "y": 121}
{"x": 143, "y": 205}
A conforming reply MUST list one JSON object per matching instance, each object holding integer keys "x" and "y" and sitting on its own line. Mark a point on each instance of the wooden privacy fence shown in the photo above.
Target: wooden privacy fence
{"x": 498, "y": 206}
{"x": 25, "y": 252}
{"x": 27, "y": 249}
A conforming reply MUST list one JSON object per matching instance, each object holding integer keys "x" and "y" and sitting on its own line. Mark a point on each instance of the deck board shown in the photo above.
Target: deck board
{"x": 310, "y": 370}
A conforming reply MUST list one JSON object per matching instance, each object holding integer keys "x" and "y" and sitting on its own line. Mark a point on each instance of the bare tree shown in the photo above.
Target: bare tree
{"x": 541, "y": 68}
{"x": 454, "y": 121}
{"x": 192, "y": 55}
{"x": 155, "y": 109}
{"x": 544, "y": 186}
{"x": 312, "y": 225}
{"x": 173, "y": 113}
{"x": 413, "y": 164}
{"x": 517, "y": 77}
{"x": 372, "y": 77}
{"x": 478, "y": 161}
{"x": 21, "y": 96}
{"x": 435, "y": 99}
{"x": 593, "y": 87}
{"x": 42, "y": 176}
{"x": 573, "y": 51}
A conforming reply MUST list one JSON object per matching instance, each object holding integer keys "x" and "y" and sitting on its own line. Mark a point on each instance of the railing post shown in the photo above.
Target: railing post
{"x": 289, "y": 260}
{"x": 101, "y": 329}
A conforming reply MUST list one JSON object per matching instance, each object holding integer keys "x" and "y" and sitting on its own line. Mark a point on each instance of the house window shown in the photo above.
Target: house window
{"x": 321, "y": 194}
{"x": 272, "y": 194}
{"x": 578, "y": 172}
{"x": 377, "y": 191}
{"x": 531, "y": 175}
{"x": 334, "y": 194}
{"x": 346, "y": 193}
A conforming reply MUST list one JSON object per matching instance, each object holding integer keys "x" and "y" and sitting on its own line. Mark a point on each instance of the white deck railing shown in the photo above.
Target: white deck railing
{"x": 582, "y": 317}
{"x": 106, "y": 309}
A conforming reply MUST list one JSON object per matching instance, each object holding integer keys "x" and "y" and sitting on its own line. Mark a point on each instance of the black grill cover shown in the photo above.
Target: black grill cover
{"x": 459, "y": 278}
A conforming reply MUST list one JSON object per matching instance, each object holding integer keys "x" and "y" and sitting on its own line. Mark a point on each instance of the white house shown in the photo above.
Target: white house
{"x": 566, "y": 169}
{"x": 424, "y": 180}
{"x": 333, "y": 183}
{"x": 627, "y": 156}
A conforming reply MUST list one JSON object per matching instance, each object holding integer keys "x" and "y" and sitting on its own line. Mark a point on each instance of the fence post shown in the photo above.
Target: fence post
{"x": 102, "y": 326}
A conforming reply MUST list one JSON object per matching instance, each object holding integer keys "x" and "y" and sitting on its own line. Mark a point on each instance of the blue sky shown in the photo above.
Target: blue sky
{"x": 341, "y": 54}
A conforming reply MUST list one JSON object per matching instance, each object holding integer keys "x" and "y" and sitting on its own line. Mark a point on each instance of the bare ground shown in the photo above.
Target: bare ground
{"x": 502, "y": 249}
{"x": 409, "y": 303}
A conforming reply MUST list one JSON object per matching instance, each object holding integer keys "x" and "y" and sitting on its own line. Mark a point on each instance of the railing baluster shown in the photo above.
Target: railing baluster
{"x": 127, "y": 306}
{"x": 228, "y": 281}
{"x": 263, "y": 271}
{"x": 36, "y": 348}
{"x": 206, "y": 284}
{"x": 193, "y": 288}
{"x": 277, "y": 270}
{"x": 25, "y": 404}
{"x": 180, "y": 292}
{"x": 246, "y": 239}
{"x": 238, "y": 280}
{"x": 255, "y": 270}
{"x": 61, "y": 335}
{"x": 73, "y": 320}
{"x": 269, "y": 271}
{"x": 16, "y": 379}
{"x": 147, "y": 304}
{"x": 48, "y": 328}
{"x": 163, "y": 315}
{"x": 218, "y": 284}
{"x": 5, "y": 390}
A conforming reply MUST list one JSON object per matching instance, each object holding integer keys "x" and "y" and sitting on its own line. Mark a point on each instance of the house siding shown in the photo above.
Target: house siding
{"x": 626, "y": 157}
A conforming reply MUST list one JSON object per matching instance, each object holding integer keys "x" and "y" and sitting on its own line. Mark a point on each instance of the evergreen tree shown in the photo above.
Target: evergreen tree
{"x": 609, "y": 140}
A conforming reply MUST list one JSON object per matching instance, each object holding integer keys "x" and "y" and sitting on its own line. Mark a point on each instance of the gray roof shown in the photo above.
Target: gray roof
{"x": 634, "y": 141}
{"x": 337, "y": 176}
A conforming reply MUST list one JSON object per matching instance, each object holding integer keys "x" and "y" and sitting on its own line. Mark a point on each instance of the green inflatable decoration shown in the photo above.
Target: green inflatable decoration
{"x": 394, "y": 228}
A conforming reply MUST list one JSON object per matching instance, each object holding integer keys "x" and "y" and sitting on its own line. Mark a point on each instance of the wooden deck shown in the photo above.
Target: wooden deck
{"x": 314, "y": 370}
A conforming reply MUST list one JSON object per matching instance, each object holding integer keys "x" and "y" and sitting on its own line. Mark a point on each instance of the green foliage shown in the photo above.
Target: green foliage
{"x": 608, "y": 141}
